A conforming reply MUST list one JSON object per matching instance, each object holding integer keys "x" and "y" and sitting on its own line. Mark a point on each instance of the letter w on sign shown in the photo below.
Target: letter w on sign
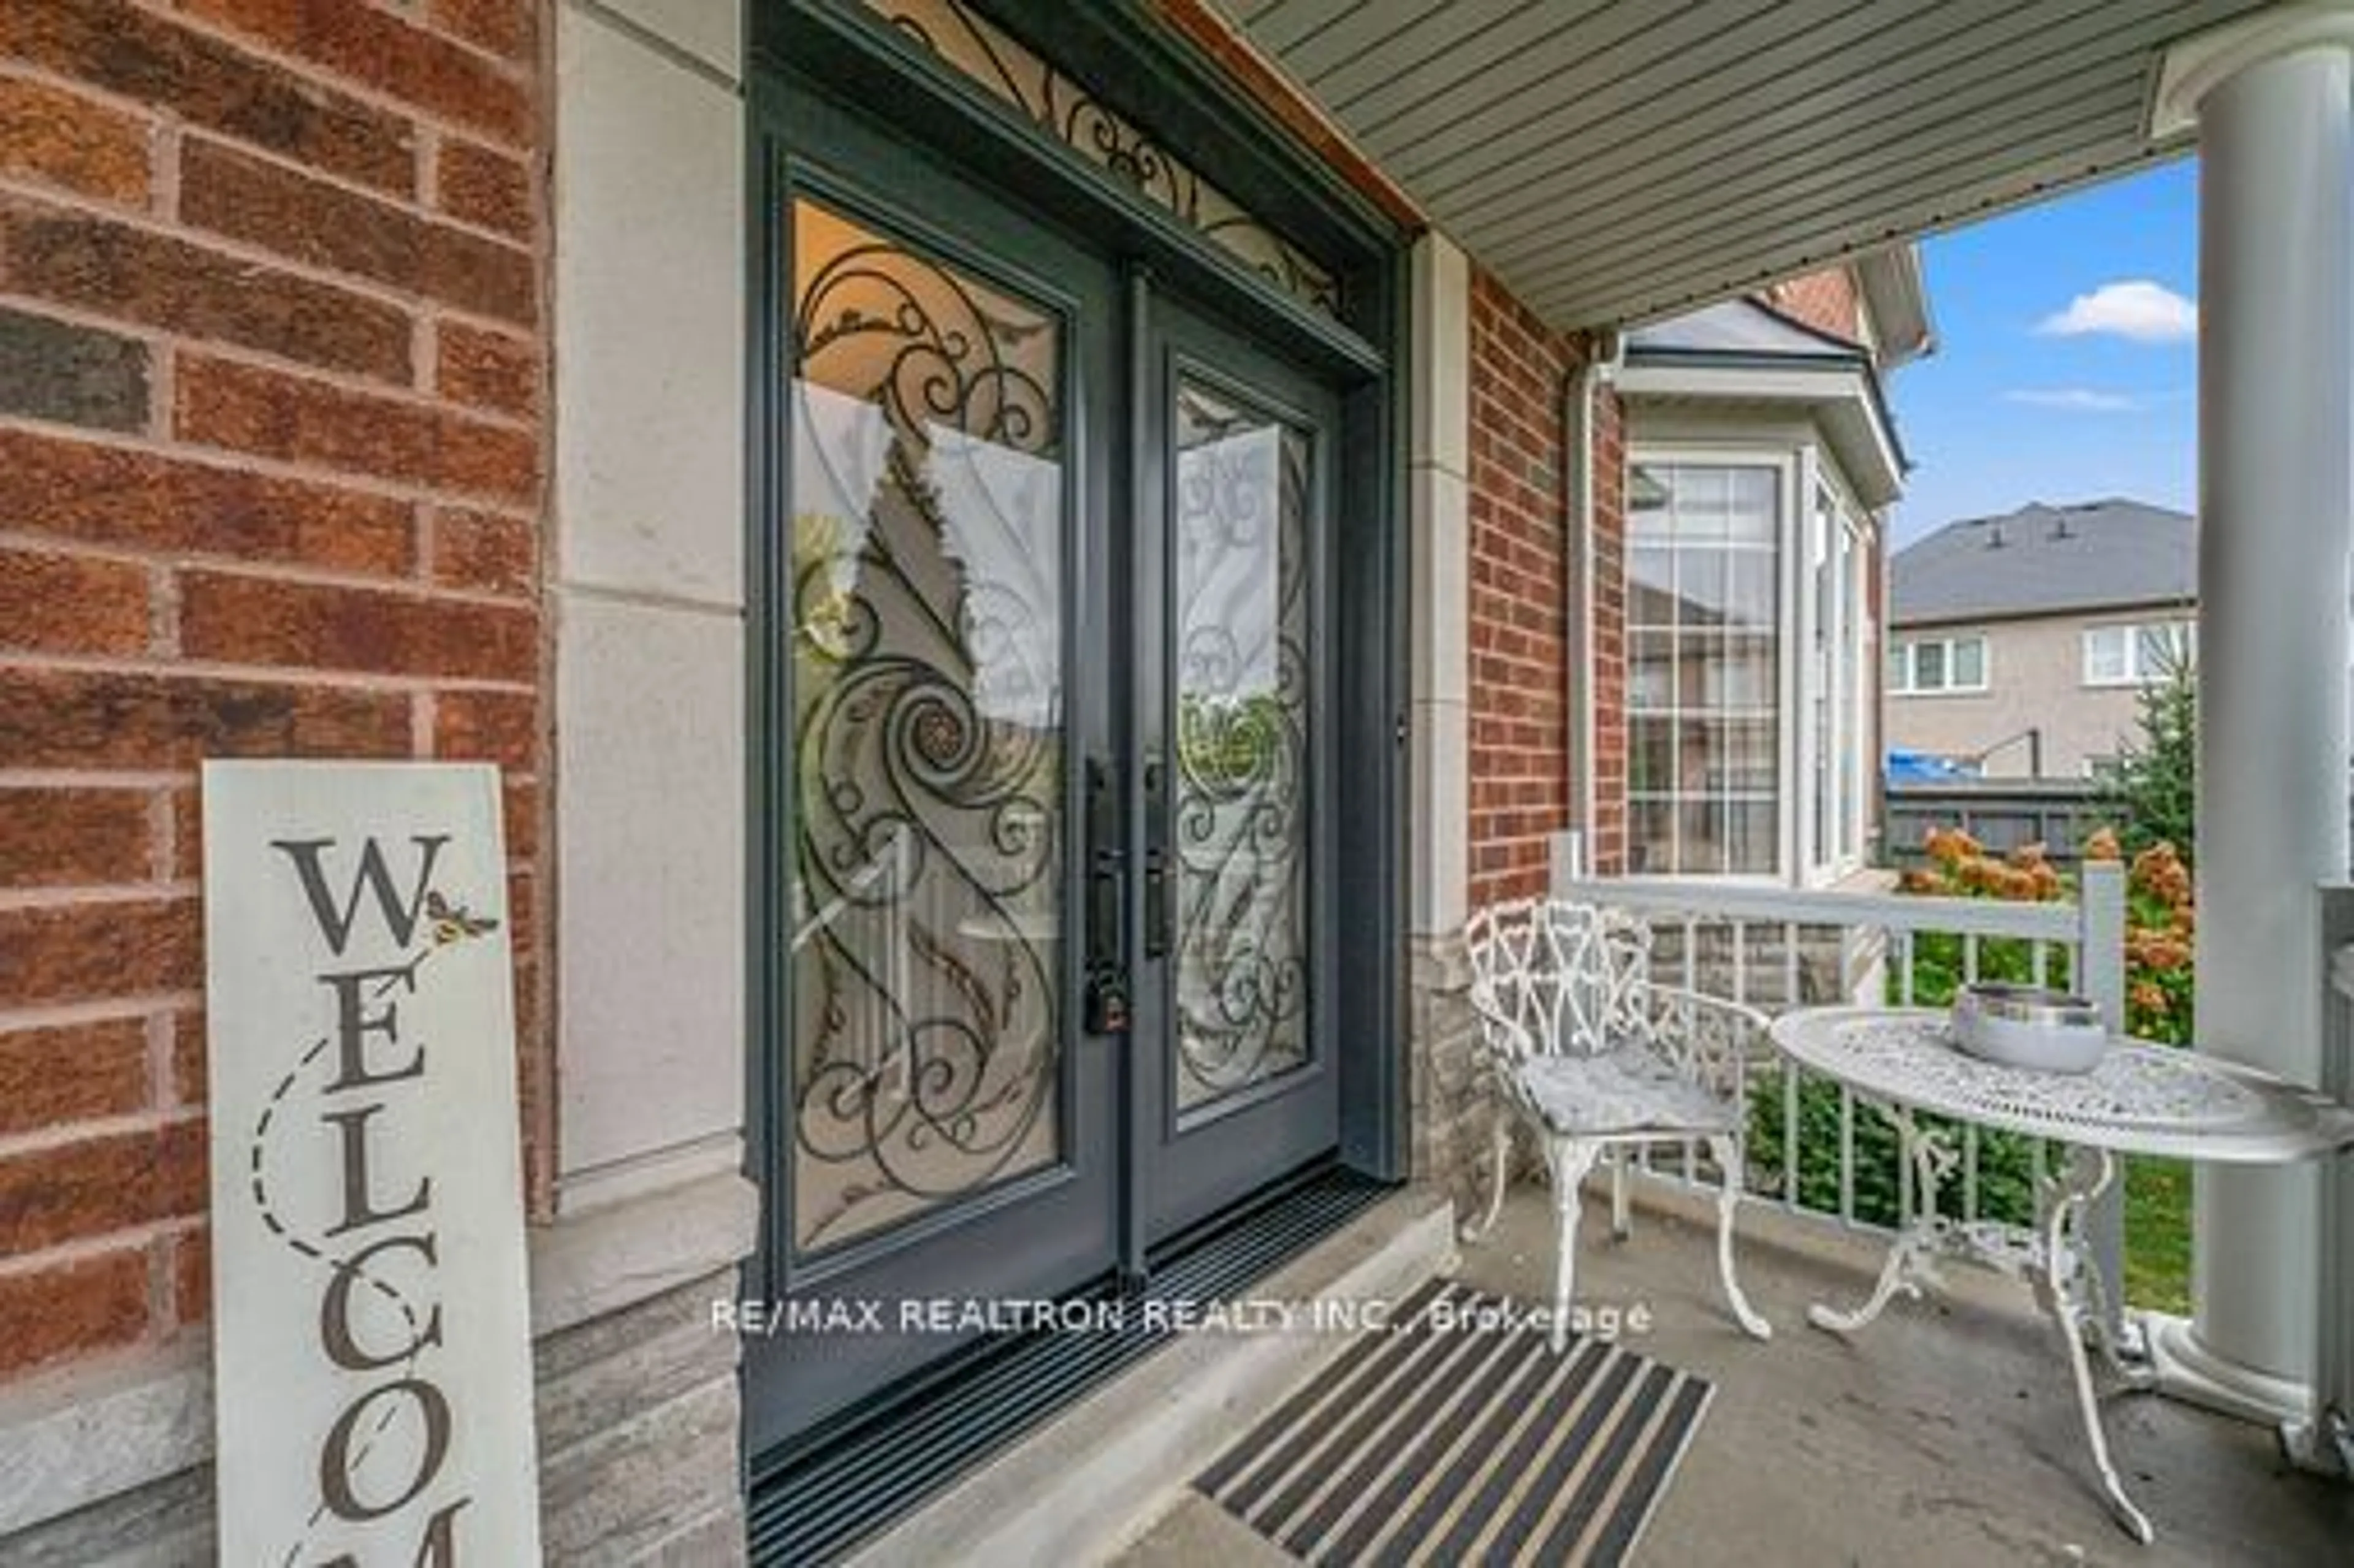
{"x": 335, "y": 919}
{"x": 371, "y": 1326}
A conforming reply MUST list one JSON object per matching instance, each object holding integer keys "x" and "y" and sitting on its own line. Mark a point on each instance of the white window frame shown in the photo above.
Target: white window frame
{"x": 1848, "y": 548}
{"x": 1785, "y": 459}
{"x": 1904, "y": 648}
{"x": 2133, "y": 631}
{"x": 1803, "y": 470}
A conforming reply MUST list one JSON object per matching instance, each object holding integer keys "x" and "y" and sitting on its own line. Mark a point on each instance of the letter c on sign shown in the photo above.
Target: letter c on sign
{"x": 335, "y": 1455}
{"x": 335, "y": 1307}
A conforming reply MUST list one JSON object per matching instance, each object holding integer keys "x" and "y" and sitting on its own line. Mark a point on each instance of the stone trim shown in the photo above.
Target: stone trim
{"x": 118, "y": 1440}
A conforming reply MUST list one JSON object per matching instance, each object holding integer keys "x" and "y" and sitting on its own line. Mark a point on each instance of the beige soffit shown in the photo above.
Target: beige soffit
{"x": 1623, "y": 159}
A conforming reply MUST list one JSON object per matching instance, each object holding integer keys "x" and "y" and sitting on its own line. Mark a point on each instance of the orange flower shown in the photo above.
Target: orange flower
{"x": 2148, "y": 997}
{"x": 2160, "y": 951}
{"x": 2104, "y": 846}
{"x": 2159, "y": 872}
{"x": 1950, "y": 847}
{"x": 2027, "y": 857}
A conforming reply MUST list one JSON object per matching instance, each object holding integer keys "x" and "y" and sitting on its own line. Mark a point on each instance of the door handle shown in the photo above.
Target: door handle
{"x": 1158, "y": 890}
{"x": 1105, "y": 993}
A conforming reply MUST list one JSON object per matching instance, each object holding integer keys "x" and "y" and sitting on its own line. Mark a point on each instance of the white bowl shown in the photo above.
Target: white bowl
{"x": 2027, "y": 1026}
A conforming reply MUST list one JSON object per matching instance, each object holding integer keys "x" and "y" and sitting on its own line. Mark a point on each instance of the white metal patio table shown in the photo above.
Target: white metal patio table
{"x": 2140, "y": 1099}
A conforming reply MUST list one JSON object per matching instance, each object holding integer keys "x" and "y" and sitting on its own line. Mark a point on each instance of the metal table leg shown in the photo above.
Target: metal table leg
{"x": 2057, "y": 1260}
{"x": 2060, "y": 1285}
{"x": 1920, "y": 1235}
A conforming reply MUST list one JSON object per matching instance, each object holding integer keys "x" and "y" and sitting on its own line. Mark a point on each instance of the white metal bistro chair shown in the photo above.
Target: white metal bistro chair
{"x": 1595, "y": 1057}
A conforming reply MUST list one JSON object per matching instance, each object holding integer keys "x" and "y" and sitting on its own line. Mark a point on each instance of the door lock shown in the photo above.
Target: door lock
{"x": 1106, "y": 997}
{"x": 1158, "y": 913}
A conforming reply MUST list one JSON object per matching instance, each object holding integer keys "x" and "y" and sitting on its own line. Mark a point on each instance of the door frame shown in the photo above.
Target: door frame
{"x": 814, "y": 59}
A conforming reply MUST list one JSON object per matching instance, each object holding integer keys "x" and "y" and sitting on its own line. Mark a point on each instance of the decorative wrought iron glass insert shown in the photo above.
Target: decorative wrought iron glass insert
{"x": 928, "y": 833}
{"x": 1241, "y": 571}
{"x": 1070, "y": 111}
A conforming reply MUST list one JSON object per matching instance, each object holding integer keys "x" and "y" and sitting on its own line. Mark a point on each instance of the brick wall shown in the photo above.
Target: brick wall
{"x": 1521, "y": 692}
{"x": 1826, "y": 301}
{"x": 271, "y": 376}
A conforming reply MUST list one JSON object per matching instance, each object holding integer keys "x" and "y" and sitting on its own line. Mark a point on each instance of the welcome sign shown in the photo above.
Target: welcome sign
{"x": 371, "y": 1330}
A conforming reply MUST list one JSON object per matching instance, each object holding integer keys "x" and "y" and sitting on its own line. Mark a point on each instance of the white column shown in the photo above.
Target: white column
{"x": 2273, "y": 102}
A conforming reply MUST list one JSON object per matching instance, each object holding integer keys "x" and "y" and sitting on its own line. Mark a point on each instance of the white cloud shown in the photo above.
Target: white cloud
{"x": 2081, "y": 399}
{"x": 2132, "y": 308}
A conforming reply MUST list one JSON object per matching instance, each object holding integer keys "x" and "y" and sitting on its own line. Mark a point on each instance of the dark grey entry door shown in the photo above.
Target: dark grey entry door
{"x": 1233, "y": 1081}
{"x": 1046, "y": 676}
{"x": 941, "y": 1129}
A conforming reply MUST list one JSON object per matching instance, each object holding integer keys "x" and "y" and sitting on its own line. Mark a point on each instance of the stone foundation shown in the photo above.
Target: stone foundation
{"x": 637, "y": 1405}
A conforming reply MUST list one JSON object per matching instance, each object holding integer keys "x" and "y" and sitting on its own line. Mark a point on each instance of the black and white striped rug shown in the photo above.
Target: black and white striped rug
{"x": 1455, "y": 1435}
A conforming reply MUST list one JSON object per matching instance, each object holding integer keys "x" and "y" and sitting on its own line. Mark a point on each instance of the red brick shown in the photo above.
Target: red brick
{"x": 94, "y": 950}
{"x": 53, "y": 137}
{"x": 187, "y": 834}
{"x": 328, "y": 226}
{"x": 64, "y": 837}
{"x": 106, "y": 495}
{"x": 71, "y": 1072}
{"x": 70, "y": 604}
{"x": 68, "y": 718}
{"x": 519, "y": 815}
{"x": 73, "y": 374}
{"x": 486, "y": 551}
{"x": 96, "y": 264}
{"x": 503, "y": 26}
{"x": 264, "y": 620}
{"x": 59, "y": 1310}
{"x": 250, "y": 410}
{"x": 140, "y": 56}
{"x": 189, "y": 1084}
{"x": 488, "y": 369}
{"x": 484, "y": 187}
{"x": 101, "y": 1185}
{"x": 487, "y": 726}
{"x": 375, "y": 49}
{"x": 192, "y": 1276}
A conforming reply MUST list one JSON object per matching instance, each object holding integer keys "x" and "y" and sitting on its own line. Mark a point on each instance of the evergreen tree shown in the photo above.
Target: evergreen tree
{"x": 2150, "y": 787}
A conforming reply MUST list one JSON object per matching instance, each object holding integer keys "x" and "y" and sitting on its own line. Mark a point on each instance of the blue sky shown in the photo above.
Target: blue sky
{"x": 2056, "y": 377}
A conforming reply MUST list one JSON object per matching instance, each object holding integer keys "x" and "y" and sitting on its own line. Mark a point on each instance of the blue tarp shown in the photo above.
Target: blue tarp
{"x": 1925, "y": 768}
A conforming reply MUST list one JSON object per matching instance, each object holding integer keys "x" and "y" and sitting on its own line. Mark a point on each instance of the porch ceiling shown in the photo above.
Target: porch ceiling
{"x": 1620, "y": 160}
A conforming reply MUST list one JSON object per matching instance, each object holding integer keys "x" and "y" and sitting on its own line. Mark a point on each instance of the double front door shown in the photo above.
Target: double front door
{"x": 1048, "y": 622}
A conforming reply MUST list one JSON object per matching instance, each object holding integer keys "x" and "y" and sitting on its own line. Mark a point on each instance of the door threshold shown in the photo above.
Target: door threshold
{"x": 959, "y": 1468}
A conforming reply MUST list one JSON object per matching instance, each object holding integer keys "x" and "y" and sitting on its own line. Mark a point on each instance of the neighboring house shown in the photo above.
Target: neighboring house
{"x": 1763, "y": 458}
{"x": 2019, "y": 644}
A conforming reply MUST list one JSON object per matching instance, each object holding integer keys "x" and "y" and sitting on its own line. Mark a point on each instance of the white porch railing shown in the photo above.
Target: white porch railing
{"x": 2326, "y": 1441}
{"x": 1774, "y": 948}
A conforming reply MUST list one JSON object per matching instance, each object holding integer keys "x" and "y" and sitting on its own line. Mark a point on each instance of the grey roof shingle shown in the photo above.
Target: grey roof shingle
{"x": 2044, "y": 560}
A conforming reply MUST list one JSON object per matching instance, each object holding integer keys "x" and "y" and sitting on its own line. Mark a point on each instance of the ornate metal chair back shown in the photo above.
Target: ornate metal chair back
{"x": 1552, "y": 978}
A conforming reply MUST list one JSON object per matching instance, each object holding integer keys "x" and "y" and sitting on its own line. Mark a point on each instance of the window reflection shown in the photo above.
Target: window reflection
{"x": 927, "y": 835}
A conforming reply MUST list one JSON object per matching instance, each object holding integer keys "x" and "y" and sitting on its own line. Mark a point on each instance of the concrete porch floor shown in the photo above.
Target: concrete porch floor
{"x": 1943, "y": 1434}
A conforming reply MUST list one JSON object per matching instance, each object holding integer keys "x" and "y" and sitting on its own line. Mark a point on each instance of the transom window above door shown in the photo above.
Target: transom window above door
{"x": 1072, "y": 113}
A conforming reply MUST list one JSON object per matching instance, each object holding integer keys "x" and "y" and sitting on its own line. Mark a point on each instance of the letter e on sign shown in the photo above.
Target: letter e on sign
{"x": 371, "y": 1316}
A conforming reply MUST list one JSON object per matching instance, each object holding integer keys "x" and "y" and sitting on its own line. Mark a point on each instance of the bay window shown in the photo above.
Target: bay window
{"x": 1703, "y": 639}
{"x": 1750, "y": 715}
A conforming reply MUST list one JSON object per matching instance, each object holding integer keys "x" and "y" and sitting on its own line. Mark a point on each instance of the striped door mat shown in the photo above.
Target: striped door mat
{"x": 1455, "y": 1435}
